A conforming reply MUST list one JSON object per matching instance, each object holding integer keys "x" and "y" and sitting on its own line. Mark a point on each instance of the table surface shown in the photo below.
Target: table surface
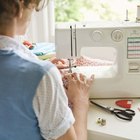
{"x": 129, "y": 130}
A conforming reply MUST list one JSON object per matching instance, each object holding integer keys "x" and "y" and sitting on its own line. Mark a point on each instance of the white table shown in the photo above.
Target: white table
{"x": 115, "y": 129}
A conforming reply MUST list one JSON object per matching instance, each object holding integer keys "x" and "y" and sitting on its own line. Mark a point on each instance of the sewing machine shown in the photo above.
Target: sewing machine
{"x": 115, "y": 42}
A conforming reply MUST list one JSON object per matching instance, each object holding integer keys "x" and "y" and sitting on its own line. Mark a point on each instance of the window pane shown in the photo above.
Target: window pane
{"x": 95, "y": 10}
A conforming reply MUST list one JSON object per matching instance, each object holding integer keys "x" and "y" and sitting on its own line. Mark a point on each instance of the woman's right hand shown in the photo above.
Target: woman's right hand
{"x": 77, "y": 88}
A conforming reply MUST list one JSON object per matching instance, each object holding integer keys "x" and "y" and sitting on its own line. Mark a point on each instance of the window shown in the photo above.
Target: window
{"x": 95, "y": 10}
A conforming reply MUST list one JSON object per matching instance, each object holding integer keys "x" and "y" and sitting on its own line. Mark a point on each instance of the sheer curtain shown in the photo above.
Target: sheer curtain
{"x": 42, "y": 26}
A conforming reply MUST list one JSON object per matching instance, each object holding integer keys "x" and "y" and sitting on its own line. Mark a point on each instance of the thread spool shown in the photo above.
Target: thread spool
{"x": 138, "y": 14}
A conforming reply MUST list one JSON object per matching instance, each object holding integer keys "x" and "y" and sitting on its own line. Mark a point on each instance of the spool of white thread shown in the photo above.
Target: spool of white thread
{"x": 138, "y": 13}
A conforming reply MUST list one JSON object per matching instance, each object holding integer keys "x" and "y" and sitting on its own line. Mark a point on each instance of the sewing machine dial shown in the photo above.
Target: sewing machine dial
{"x": 117, "y": 35}
{"x": 97, "y": 35}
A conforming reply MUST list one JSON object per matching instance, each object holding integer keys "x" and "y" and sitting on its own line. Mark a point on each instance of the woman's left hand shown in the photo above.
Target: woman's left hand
{"x": 60, "y": 63}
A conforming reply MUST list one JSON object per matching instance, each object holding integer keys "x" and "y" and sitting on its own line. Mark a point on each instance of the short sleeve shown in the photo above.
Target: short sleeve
{"x": 51, "y": 106}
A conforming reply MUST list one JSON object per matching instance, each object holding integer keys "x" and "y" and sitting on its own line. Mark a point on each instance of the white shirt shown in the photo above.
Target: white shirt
{"x": 50, "y": 102}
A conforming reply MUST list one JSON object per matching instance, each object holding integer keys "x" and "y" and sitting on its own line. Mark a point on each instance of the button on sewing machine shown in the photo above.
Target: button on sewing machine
{"x": 97, "y": 35}
{"x": 117, "y": 35}
{"x": 134, "y": 67}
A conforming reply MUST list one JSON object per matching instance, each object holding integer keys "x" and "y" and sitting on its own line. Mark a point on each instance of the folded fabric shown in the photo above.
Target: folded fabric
{"x": 43, "y": 48}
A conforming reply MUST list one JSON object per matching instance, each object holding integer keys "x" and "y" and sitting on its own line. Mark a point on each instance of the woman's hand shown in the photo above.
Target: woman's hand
{"x": 77, "y": 88}
{"x": 60, "y": 63}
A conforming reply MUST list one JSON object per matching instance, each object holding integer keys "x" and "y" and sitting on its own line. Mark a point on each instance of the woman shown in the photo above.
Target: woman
{"x": 33, "y": 103}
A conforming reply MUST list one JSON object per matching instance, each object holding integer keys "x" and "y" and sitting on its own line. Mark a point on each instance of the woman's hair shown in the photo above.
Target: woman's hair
{"x": 10, "y": 8}
{"x": 40, "y": 4}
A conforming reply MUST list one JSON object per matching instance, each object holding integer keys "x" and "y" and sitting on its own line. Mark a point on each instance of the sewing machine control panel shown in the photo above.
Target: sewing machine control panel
{"x": 116, "y": 35}
{"x": 133, "y": 54}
